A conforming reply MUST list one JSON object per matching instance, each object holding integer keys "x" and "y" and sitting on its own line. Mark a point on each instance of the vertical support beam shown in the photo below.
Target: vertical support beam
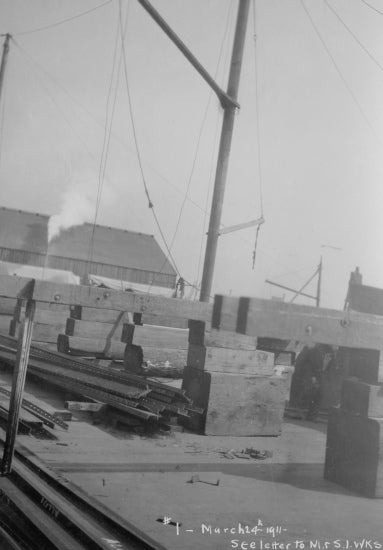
{"x": 224, "y": 151}
{"x": 380, "y": 368}
{"x": 4, "y": 60}
{"x": 319, "y": 287}
{"x": 18, "y": 382}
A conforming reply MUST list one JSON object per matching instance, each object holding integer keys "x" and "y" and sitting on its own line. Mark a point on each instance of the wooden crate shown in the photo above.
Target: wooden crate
{"x": 235, "y": 361}
{"x": 236, "y": 404}
{"x": 354, "y": 452}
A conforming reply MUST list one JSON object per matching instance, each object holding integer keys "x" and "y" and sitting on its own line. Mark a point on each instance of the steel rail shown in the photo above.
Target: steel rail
{"x": 61, "y": 516}
{"x": 31, "y": 407}
{"x": 77, "y": 365}
{"x": 112, "y": 396}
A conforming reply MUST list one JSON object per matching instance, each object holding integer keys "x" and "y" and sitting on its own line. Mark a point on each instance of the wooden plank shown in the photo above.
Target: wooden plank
{"x": 152, "y": 336}
{"x": 235, "y": 404}
{"x": 100, "y": 315}
{"x": 361, "y": 398}
{"x": 93, "y": 330}
{"x": 51, "y": 317}
{"x": 45, "y": 313}
{"x": 219, "y": 338}
{"x": 354, "y": 452}
{"x": 46, "y": 291}
{"x": 17, "y": 287}
{"x": 5, "y": 322}
{"x": 41, "y": 332}
{"x": 230, "y": 360}
{"x": 268, "y": 318}
{"x": 7, "y": 306}
{"x": 87, "y": 347}
{"x": 160, "y": 320}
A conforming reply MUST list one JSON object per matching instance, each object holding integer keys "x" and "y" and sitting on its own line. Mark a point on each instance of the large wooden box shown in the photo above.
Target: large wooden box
{"x": 236, "y": 404}
{"x": 354, "y": 452}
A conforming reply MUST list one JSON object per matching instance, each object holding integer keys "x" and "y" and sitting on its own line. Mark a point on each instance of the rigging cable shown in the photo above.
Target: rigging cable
{"x": 102, "y": 125}
{"x": 55, "y": 102}
{"x": 150, "y": 203}
{"x": 258, "y": 131}
{"x": 107, "y": 136}
{"x": 354, "y": 36}
{"x": 371, "y": 7}
{"x": 215, "y": 142}
{"x": 186, "y": 196}
{"x": 29, "y": 58}
{"x": 62, "y": 21}
{"x": 339, "y": 71}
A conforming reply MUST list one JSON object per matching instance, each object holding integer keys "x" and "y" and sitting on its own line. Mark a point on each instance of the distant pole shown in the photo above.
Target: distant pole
{"x": 224, "y": 151}
{"x": 4, "y": 60}
{"x": 320, "y": 267}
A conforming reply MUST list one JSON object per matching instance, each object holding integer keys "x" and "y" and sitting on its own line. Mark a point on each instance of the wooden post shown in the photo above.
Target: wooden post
{"x": 18, "y": 382}
{"x": 4, "y": 60}
{"x": 319, "y": 286}
{"x": 224, "y": 151}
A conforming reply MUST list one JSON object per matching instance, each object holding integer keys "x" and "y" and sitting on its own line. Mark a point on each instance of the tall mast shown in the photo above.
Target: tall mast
{"x": 224, "y": 151}
{"x": 4, "y": 60}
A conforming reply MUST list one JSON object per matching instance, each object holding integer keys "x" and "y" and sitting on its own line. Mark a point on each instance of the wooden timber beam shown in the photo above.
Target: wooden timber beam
{"x": 46, "y": 291}
{"x": 267, "y": 318}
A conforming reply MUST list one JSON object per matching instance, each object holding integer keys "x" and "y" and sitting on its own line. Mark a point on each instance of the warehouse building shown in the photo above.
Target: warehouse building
{"x": 116, "y": 254}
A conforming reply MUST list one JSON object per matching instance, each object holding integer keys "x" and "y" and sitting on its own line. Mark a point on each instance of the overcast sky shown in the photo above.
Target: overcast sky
{"x": 320, "y": 115}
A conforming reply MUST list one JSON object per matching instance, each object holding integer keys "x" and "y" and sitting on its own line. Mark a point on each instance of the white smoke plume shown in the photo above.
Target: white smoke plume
{"x": 77, "y": 207}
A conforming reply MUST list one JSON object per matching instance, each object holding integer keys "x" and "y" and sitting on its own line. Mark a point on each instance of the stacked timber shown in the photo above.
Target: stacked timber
{"x": 354, "y": 450}
{"x": 137, "y": 338}
{"x": 233, "y": 382}
{"x": 92, "y": 332}
{"x": 49, "y": 321}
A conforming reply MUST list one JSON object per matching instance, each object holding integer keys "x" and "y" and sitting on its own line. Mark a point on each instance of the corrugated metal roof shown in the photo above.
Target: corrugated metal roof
{"x": 20, "y": 230}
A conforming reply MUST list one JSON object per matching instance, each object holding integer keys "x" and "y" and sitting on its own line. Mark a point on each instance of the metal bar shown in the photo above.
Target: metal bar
{"x": 290, "y": 289}
{"x": 31, "y": 407}
{"x": 225, "y": 98}
{"x": 18, "y": 382}
{"x": 304, "y": 286}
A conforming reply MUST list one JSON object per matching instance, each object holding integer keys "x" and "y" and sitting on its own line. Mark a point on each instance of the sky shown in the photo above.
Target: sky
{"x": 306, "y": 150}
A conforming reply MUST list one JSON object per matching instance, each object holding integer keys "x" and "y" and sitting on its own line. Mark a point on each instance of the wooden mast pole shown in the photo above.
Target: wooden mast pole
{"x": 4, "y": 58}
{"x": 224, "y": 151}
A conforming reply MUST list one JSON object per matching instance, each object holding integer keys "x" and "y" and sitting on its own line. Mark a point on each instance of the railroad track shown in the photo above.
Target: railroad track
{"x": 39, "y": 510}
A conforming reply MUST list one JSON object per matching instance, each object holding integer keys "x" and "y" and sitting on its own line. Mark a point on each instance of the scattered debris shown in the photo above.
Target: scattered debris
{"x": 196, "y": 479}
{"x": 246, "y": 454}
